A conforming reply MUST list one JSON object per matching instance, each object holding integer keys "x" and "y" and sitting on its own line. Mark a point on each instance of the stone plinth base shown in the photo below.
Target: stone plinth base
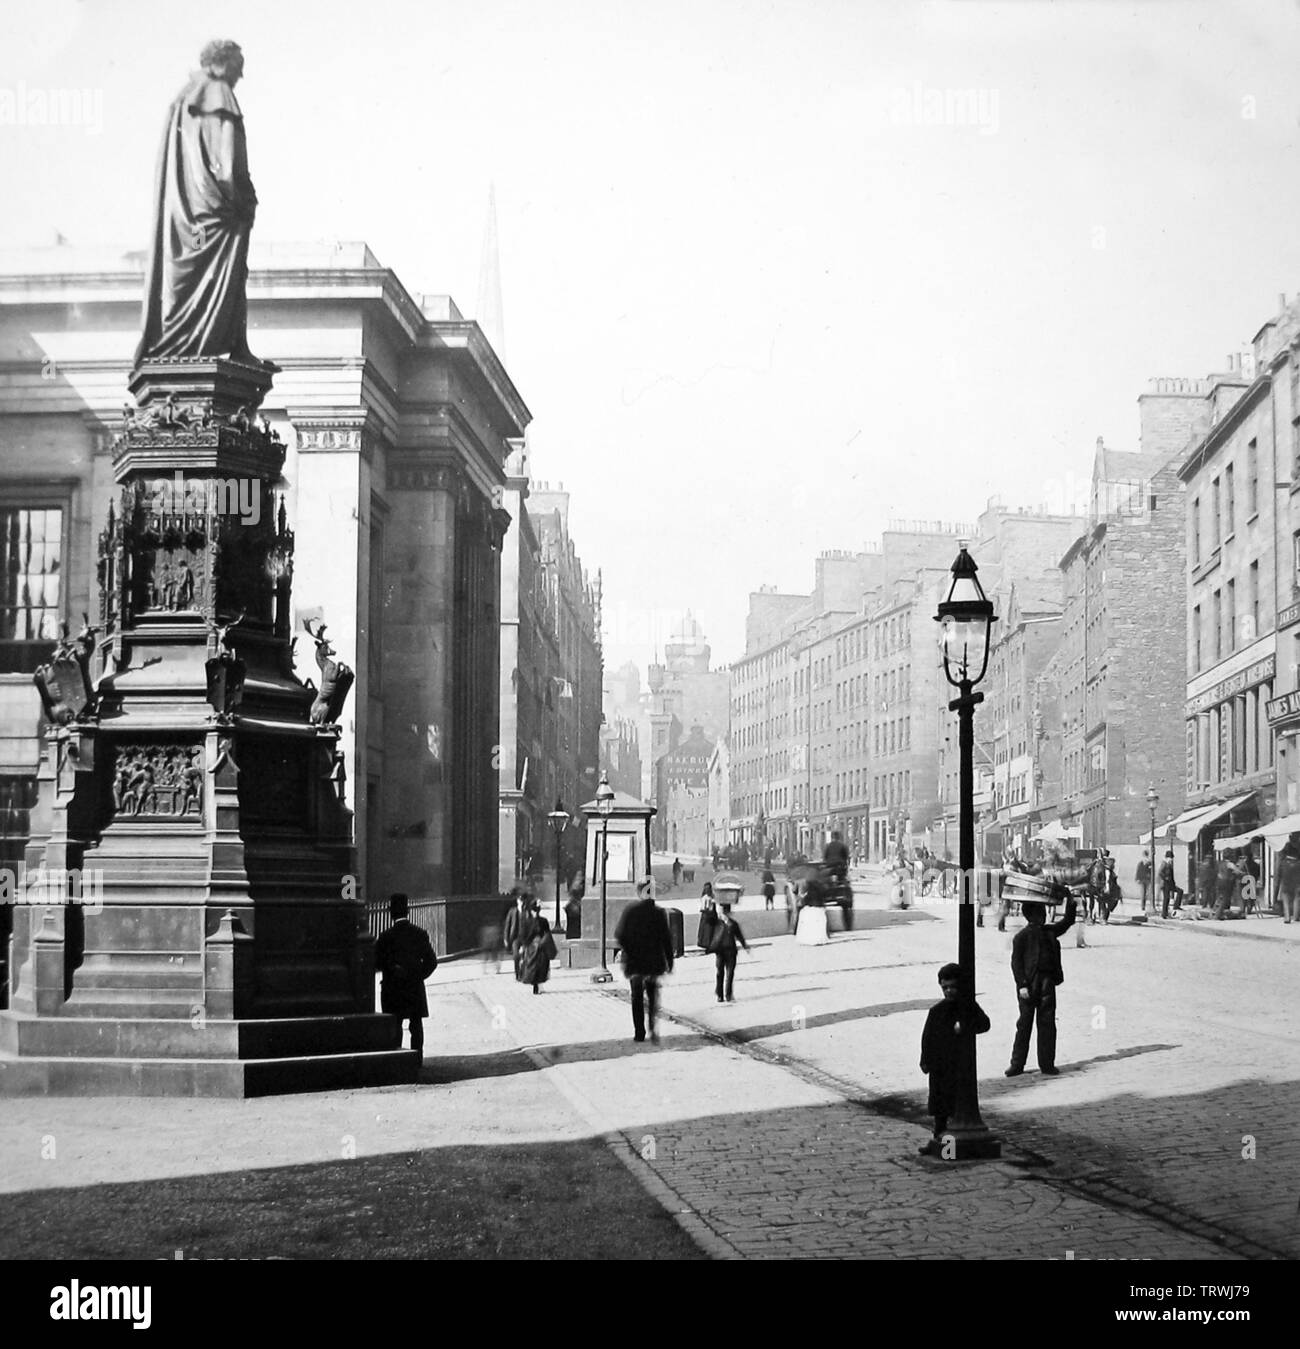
{"x": 75, "y": 1056}
{"x": 584, "y": 954}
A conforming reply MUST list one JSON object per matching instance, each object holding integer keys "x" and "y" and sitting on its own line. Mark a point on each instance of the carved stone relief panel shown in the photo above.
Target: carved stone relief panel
{"x": 158, "y": 781}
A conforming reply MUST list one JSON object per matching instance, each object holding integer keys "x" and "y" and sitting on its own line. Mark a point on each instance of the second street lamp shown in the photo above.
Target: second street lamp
{"x": 966, "y": 618}
{"x": 559, "y": 821}
{"x": 604, "y": 804}
{"x": 1153, "y": 799}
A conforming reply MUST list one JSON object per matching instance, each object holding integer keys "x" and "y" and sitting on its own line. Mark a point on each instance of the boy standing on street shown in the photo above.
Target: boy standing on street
{"x": 1036, "y": 966}
{"x": 946, "y": 1028}
{"x": 727, "y": 937}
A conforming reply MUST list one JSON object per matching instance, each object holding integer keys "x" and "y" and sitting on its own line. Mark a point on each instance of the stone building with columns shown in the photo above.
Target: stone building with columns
{"x": 398, "y": 417}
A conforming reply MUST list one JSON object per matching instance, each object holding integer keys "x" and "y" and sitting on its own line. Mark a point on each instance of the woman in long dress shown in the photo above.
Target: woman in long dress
{"x": 708, "y": 917}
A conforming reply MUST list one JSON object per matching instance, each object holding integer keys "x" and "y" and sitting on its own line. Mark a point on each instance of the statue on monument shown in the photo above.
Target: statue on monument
{"x": 196, "y": 302}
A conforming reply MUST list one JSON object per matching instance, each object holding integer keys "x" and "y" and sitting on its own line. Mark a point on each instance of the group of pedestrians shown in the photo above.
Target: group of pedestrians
{"x": 528, "y": 938}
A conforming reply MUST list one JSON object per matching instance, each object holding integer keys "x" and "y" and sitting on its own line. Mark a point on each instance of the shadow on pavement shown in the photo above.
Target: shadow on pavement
{"x": 998, "y": 1087}
{"x": 440, "y": 1070}
{"x": 591, "y": 1051}
{"x": 746, "y": 1034}
{"x": 541, "y": 1200}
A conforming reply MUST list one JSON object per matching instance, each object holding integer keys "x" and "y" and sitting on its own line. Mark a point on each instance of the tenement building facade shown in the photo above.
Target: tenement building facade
{"x": 1242, "y": 478}
{"x": 1123, "y": 633}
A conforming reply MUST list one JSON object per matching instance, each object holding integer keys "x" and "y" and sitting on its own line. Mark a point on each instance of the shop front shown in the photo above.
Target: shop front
{"x": 1191, "y": 836}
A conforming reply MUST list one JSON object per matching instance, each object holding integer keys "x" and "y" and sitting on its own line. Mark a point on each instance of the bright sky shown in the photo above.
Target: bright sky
{"x": 756, "y": 309}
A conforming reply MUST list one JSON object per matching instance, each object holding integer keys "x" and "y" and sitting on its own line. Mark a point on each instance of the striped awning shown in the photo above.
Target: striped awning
{"x": 1190, "y": 823}
{"x": 1274, "y": 834}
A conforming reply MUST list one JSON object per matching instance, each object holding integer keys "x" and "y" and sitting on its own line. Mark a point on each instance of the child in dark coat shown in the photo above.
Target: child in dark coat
{"x": 535, "y": 966}
{"x": 946, "y": 1027}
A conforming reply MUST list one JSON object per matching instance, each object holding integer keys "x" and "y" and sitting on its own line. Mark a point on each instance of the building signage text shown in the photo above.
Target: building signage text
{"x": 1285, "y": 708}
{"x": 1225, "y": 688}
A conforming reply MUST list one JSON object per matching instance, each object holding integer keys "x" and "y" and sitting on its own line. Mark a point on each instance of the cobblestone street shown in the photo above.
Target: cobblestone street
{"x": 787, "y": 1123}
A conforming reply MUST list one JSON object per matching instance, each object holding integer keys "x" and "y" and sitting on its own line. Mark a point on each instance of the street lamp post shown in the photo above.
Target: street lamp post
{"x": 559, "y": 819}
{"x": 1153, "y": 799}
{"x": 604, "y": 804}
{"x": 966, "y": 618}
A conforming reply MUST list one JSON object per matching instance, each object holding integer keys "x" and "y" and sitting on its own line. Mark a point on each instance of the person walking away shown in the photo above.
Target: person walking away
{"x": 1112, "y": 894}
{"x": 1168, "y": 885}
{"x": 727, "y": 938}
{"x": 708, "y": 918}
{"x": 791, "y": 903}
{"x": 538, "y": 954}
{"x": 646, "y": 946}
{"x": 677, "y": 871}
{"x": 769, "y": 888}
{"x": 1207, "y": 881}
{"x": 1036, "y": 967}
{"x": 1143, "y": 877}
{"x": 1287, "y": 881}
{"x": 405, "y": 958}
{"x": 947, "y": 1026}
{"x": 835, "y": 858}
{"x": 1227, "y": 882}
{"x": 1096, "y": 887}
{"x": 573, "y": 906}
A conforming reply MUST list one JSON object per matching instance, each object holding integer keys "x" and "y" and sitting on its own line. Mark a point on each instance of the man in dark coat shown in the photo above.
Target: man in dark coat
{"x": 946, "y": 1027}
{"x": 1143, "y": 877}
{"x": 643, "y": 937}
{"x": 835, "y": 858}
{"x": 1207, "y": 881}
{"x": 1168, "y": 885}
{"x": 1286, "y": 882}
{"x": 404, "y": 956}
{"x": 1036, "y": 965}
{"x": 1227, "y": 884}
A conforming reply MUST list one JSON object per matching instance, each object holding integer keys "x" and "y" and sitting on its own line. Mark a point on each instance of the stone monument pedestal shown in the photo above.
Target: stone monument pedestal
{"x": 191, "y": 922}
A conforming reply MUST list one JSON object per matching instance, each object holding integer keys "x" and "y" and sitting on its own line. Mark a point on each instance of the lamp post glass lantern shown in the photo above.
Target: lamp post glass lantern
{"x": 605, "y": 805}
{"x": 559, "y": 821}
{"x": 966, "y": 619}
{"x": 1153, "y": 799}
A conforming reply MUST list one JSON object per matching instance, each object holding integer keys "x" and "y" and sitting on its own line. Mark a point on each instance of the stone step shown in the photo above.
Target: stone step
{"x": 205, "y": 1077}
{"x": 25, "y": 1037}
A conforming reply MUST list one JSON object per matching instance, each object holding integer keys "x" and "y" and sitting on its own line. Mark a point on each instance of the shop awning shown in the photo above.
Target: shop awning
{"x": 1201, "y": 819}
{"x": 1176, "y": 823}
{"x": 1191, "y": 822}
{"x": 1274, "y": 834}
{"x": 1058, "y": 831}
